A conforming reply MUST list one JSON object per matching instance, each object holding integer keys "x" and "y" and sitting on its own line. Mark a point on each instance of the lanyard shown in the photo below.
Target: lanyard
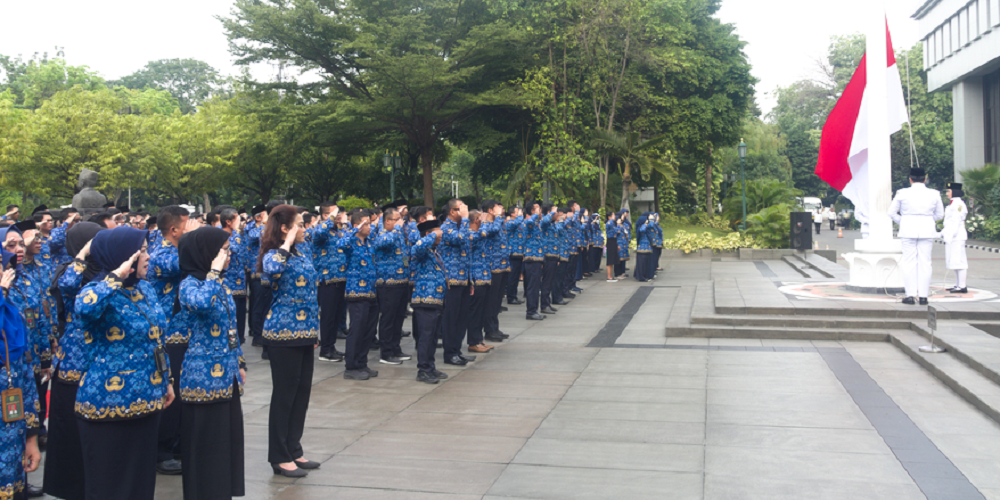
{"x": 6, "y": 348}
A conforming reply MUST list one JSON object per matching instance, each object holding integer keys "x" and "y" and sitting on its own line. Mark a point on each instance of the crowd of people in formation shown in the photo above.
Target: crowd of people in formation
{"x": 123, "y": 333}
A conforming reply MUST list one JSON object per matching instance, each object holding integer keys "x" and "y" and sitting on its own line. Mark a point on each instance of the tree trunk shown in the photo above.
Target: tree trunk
{"x": 656, "y": 197}
{"x": 208, "y": 202}
{"x": 427, "y": 158}
{"x": 709, "y": 208}
{"x": 626, "y": 182}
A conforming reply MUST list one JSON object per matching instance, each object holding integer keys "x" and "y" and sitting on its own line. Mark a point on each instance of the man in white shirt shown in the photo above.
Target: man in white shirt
{"x": 917, "y": 209}
{"x": 954, "y": 235}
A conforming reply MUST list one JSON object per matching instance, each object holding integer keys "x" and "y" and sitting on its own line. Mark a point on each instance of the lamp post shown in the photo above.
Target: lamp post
{"x": 743, "y": 175}
{"x": 391, "y": 163}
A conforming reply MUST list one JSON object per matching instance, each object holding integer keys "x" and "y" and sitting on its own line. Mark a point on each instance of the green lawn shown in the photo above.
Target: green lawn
{"x": 669, "y": 230}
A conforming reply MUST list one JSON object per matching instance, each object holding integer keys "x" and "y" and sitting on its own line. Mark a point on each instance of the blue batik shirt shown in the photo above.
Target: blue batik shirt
{"x": 235, "y": 277}
{"x": 122, "y": 327}
{"x": 213, "y": 358}
{"x": 165, "y": 276}
{"x": 72, "y": 357}
{"x": 328, "y": 259}
{"x": 361, "y": 272}
{"x": 391, "y": 256}
{"x": 294, "y": 316}
{"x": 430, "y": 281}
{"x": 13, "y": 434}
{"x": 57, "y": 244}
{"x": 534, "y": 247}
{"x": 550, "y": 237}
{"x": 481, "y": 247}
{"x": 454, "y": 251}
{"x": 516, "y": 236}
{"x": 29, "y": 294}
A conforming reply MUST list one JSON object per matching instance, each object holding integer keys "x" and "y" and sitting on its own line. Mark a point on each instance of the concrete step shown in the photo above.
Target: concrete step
{"x": 768, "y": 332}
{"x": 978, "y": 350}
{"x": 835, "y": 322}
{"x": 971, "y": 384}
{"x": 967, "y": 312}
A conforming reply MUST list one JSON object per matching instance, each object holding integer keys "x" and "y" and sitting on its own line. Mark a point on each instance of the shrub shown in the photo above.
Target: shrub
{"x": 761, "y": 193}
{"x": 988, "y": 229}
{"x": 352, "y": 202}
{"x": 770, "y": 227}
{"x": 716, "y": 222}
{"x": 690, "y": 242}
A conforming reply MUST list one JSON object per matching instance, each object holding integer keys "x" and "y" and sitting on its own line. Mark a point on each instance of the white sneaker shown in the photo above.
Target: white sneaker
{"x": 612, "y": 281}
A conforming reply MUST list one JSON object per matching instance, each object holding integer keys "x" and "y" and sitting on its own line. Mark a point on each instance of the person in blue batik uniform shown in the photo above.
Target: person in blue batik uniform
{"x": 127, "y": 383}
{"x": 235, "y": 278}
{"x": 624, "y": 241}
{"x": 362, "y": 301}
{"x": 454, "y": 252}
{"x": 214, "y": 373}
{"x": 329, "y": 262}
{"x": 57, "y": 237}
{"x": 499, "y": 268}
{"x": 391, "y": 257}
{"x": 612, "y": 232}
{"x": 550, "y": 250}
{"x": 534, "y": 259}
{"x": 482, "y": 232}
{"x": 63, "y": 456}
{"x": 644, "y": 249}
{"x": 18, "y": 436}
{"x": 165, "y": 276}
{"x": 657, "y": 242}
{"x": 429, "y": 285}
{"x": 291, "y": 332}
{"x": 515, "y": 240}
{"x": 596, "y": 243}
{"x": 260, "y": 292}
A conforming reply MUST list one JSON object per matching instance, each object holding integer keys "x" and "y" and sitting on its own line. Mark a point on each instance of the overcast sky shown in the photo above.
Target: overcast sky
{"x": 117, "y": 37}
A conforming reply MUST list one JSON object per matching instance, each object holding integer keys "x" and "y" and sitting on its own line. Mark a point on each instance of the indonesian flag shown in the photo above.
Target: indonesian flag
{"x": 843, "y": 149}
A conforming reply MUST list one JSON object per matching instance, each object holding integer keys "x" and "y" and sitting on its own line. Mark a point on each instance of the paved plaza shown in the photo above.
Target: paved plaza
{"x": 657, "y": 390}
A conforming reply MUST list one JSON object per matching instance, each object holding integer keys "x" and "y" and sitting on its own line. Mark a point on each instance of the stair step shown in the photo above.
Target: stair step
{"x": 766, "y": 332}
{"x": 838, "y": 322}
{"x": 972, "y": 312}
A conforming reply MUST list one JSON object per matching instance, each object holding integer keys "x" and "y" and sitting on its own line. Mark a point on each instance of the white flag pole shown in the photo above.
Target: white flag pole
{"x": 879, "y": 152}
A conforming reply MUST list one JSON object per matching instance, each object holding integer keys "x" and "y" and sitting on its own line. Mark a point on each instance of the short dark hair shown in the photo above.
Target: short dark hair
{"x": 390, "y": 211}
{"x": 488, "y": 205}
{"x": 326, "y": 207}
{"x": 307, "y": 217}
{"x": 530, "y": 206}
{"x": 570, "y": 203}
{"x": 40, "y": 216}
{"x": 919, "y": 178}
{"x": 170, "y": 216}
{"x": 453, "y": 204}
{"x": 374, "y": 211}
{"x": 546, "y": 208}
{"x": 227, "y": 214}
{"x": 102, "y": 218}
{"x": 12, "y": 207}
{"x": 358, "y": 215}
{"x": 211, "y": 218}
{"x": 419, "y": 212}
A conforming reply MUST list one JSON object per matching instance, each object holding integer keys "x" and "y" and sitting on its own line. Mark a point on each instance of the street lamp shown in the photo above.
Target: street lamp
{"x": 392, "y": 163}
{"x": 743, "y": 174}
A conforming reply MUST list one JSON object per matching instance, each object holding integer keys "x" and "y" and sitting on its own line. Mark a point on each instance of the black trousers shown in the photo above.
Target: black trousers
{"x": 425, "y": 324}
{"x": 170, "y": 420}
{"x": 364, "y": 321}
{"x": 620, "y": 268}
{"x": 595, "y": 259}
{"x": 260, "y": 304}
{"x": 656, "y": 258}
{"x": 331, "y": 303}
{"x": 477, "y": 313}
{"x": 559, "y": 282}
{"x": 43, "y": 391}
{"x": 119, "y": 457}
{"x": 212, "y": 449}
{"x": 532, "y": 284}
{"x": 241, "y": 316}
{"x": 291, "y": 382}
{"x": 456, "y": 319}
{"x": 818, "y": 226}
{"x": 392, "y": 310}
{"x": 498, "y": 288}
{"x": 549, "y": 269}
{"x": 64, "y": 457}
{"x": 516, "y": 265}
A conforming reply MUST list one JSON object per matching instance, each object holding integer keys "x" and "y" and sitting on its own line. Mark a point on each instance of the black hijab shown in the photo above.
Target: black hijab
{"x": 76, "y": 238}
{"x": 110, "y": 249}
{"x": 197, "y": 249}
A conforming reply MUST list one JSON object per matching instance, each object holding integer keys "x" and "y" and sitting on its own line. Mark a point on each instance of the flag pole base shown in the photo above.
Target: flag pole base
{"x": 933, "y": 349}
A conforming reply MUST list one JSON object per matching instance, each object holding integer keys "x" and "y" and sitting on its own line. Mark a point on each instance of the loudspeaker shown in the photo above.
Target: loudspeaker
{"x": 801, "y": 232}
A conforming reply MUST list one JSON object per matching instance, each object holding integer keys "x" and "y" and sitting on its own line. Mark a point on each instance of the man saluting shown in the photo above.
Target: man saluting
{"x": 917, "y": 209}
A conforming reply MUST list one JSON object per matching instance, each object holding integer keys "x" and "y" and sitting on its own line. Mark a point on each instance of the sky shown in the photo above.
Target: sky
{"x": 118, "y": 37}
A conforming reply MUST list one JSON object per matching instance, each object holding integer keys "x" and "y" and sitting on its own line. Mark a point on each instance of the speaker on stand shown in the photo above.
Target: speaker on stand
{"x": 801, "y": 231}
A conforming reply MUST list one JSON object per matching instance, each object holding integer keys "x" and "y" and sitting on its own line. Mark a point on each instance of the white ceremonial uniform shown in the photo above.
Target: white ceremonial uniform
{"x": 954, "y": 235}
{"x": 917, "y": 209}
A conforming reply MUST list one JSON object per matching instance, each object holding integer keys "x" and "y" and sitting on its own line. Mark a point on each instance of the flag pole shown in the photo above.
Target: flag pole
{"x": 879, "y": 152}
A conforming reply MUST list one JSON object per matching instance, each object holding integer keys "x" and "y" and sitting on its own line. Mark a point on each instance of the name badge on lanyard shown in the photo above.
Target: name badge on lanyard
{"x": 234, "y": 340}
{"x": 30, "y": 315}
{"x": 13, "y": 405}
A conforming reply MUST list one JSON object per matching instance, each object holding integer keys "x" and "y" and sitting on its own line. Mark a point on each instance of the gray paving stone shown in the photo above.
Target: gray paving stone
{"x": 461, "y": 425}
{"x": 447, "y": 447}
{"x": 558, "y": 483}
{"x": 800, "y": 464}
{"x": 404, "y": 474}
{"x": 626, "y": 431}
{"x": 613, "y": 455}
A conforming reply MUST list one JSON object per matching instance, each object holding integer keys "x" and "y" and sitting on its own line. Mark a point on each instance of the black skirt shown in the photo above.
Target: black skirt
{"x": 612, "y": 250}
{"x": 64, "y": 455}
{"x": 119, "y": 458}
{"x": 212, "y": 449}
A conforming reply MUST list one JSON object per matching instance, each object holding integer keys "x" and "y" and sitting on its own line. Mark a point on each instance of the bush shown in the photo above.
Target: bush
{"x": 690, "y": 242}
{"x": 770, "y": 227}
{"x": 716, "y": 222}
{"x": 986, "y": 229}
{"x": 352, "y": 202}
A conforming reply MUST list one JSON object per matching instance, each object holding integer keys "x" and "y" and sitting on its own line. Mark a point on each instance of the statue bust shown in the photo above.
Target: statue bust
{"x": 88, "y": 199}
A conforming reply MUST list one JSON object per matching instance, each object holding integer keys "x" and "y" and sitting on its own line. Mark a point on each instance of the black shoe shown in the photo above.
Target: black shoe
{"x": 456, "y": 360}
{"x": 569, "y": 295}
{"x": 31, "y": 491}
{"x": 169, "y": 467}
{"x": 427, "y": 378}
{"x": 307, "y": 465}
{"x": 549, "y": 310}
{"x": 504, "y": 335}
{"x": 371, "y": 373}
{"x": 263, "y": 355}
{"x": 514, "y": 302}
{"x": 404, "y": 357}
{"x": 333, "y": 357}
{"x": 494, "y": 337}
{"x": 923, "y": 301}
{"x": 468, "y": 357}
{"x": 535, "y": 317}
{"x": 559, "y": 302}
{"x": 406, "y": 333}
{"x": 256, "y": 342}
{"x": 577, "y": 289}
{"x": 288, "y": 473}
{"x": 909, "y": 300}
{"x": 341, "y": 334}
{"x": 503, "y": 309}
{"x": 375, "y": 346}
{"x": 390, "y": 361}
{"x": 356, "y": 375}
{"x": 959, "y": 290}
{"x": 440, "y": 374}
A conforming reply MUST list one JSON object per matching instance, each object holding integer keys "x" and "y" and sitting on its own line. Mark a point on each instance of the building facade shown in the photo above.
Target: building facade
{"x": 962, "y": 53}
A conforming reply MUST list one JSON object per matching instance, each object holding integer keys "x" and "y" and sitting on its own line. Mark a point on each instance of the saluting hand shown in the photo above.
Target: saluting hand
{"x": 219, "y": 262}
{"x": 84, "y": 252}
{"x": 7, "y": 279}
{"x": 191, "y": 225}
{"x": 290, "y": 237}
{"x": 125, "y": 269}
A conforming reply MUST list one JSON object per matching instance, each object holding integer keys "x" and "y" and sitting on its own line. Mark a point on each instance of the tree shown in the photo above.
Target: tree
{"x": 35, "y": 81}
{"x": 190, "y": 81}
{"x": 631, "y": 152}
{"x": 419, "y": 68}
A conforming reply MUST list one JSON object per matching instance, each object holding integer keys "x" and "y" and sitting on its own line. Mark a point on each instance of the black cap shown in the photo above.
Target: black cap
{"x": 124, "y": 208}
{"x": 955, "y": 185}
{"x": 917, "y": 172}
{"x": 39, "y": 208}
{"x": 108, "y": 205}
{"x": 27, "y": 225}
{"x": 425, "y": 226}
{"x": 258, "y": 209}
{"x": 150, "y": 221}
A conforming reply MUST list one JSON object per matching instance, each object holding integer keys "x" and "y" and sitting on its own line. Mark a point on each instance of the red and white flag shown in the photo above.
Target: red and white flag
{"x": 843, "y": 149}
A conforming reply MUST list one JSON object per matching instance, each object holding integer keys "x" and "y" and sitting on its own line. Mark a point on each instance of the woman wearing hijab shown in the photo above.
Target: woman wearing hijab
{"x": 127, "y": 384}
{"x": 955, "y": 235}
{"x": 624, "y": 240}
{"x": 644, "y": 249}
{"x": 20, "y": 425}
{"x": 63, "y": 456}
{"x": 291, "y": 332}
{"x": 213, "y": 372}
{"x": 611, "y": 246}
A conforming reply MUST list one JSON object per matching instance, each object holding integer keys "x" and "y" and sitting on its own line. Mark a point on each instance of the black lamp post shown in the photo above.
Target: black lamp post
{"x": 743, "y": 175}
